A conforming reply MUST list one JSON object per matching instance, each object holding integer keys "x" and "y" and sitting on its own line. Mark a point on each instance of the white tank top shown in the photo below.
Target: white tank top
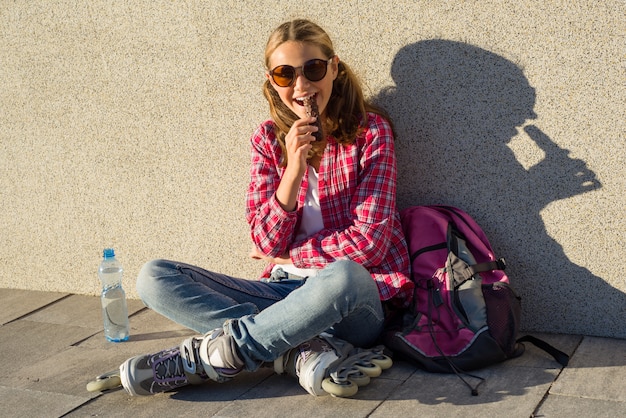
{"x": 311, "y": 222}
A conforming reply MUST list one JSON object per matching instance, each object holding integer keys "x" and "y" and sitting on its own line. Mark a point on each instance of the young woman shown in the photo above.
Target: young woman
{"x": 322, "y": 214}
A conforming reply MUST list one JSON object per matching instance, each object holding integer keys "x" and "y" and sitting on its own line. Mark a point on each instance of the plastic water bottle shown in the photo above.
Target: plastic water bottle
{"x": 114, "y": 309}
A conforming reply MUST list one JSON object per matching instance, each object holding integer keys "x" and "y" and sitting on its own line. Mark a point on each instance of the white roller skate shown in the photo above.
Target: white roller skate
{"x": 327, "y": 365}
{"x": 190, "y": 363}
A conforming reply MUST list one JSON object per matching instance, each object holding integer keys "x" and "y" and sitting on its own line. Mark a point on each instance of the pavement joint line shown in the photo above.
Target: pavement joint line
{"x": 41, "y": 308}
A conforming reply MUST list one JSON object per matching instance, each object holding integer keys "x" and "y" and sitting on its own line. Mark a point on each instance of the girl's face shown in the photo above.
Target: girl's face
{"x": 296, "y": 54}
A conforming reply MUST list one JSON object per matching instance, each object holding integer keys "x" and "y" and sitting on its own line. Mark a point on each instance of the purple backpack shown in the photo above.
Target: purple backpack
{"x": 464, "y": 314}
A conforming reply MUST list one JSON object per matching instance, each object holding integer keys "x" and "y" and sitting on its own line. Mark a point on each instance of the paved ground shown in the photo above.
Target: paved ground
{"x": 52, "y": 345}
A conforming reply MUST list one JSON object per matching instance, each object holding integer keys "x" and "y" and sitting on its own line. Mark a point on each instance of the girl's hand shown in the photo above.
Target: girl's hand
{"x": 298, "y": 143}
{"x": 257, "y": 255}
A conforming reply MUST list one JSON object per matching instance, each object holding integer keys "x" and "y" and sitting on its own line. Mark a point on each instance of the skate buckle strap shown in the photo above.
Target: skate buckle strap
{"x": 208, "y": 369}
{"x": 211, "y": 371}
{"x": 188, "y": 356}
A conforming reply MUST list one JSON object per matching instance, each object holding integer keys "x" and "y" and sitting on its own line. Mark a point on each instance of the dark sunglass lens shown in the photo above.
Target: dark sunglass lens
{"x": 283, "y": 75}
{"x": 315, "y": 70}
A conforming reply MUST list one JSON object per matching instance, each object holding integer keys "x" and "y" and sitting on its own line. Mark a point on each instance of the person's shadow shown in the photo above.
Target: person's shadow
{"x": 455, "y": 108}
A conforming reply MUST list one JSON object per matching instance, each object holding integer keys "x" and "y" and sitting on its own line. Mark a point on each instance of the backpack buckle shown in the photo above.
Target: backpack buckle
{"x": 501, "y": 262}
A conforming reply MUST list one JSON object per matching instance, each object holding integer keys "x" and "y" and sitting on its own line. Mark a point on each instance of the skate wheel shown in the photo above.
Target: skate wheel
{"x": 341, "y": 390}
{"x": 371, "y": 369}
{"x": 384, "y": 362}
{"x": 360, "y": 379}
{"x": 104, "y": 382}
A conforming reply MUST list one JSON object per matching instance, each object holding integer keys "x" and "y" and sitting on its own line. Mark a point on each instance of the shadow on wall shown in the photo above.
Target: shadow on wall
{"x": 456, "y": 107}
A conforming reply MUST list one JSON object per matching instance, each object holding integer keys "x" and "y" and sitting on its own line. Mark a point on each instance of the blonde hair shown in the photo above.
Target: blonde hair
{"x": 346, "y": 112}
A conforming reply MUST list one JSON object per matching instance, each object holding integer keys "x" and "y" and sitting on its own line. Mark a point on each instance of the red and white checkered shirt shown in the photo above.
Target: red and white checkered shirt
{"x": 357, "y": 194}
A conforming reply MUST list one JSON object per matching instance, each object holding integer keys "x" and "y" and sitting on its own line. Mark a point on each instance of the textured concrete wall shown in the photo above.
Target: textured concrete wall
{"x": 126, "y": 124}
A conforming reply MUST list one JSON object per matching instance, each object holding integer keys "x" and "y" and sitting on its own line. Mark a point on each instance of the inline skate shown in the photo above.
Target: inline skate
{"x": 323, "y": 365}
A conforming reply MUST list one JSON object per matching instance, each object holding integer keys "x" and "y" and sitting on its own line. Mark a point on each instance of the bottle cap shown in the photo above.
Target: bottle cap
{"x": 108, "y": 253}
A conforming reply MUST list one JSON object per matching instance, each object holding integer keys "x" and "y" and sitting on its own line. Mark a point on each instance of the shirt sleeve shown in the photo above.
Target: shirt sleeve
{"x": 271, "y": 227}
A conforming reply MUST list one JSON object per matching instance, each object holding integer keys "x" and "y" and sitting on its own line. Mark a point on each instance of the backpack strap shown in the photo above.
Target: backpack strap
{"x": 466, "y": 273}
{"x": 434, "y": 300}
{"x": 499, "y": 264}
{"x": 455, "y": 243}
{"x": 558, "y": 355}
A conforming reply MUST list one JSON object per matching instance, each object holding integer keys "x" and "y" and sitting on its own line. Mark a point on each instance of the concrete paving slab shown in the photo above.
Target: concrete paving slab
{"x": 575, "y": 406}
{"x": 401, "y": 370}
{"x": 149, "y": 332}
{"x": 597, "y": 371}
{"x": 60, "y": 347}
{"x": 78, "y": 310}
{"x": 516, "y": 390}
{"x": 32, "y": 403}
{"x": 203, "y": 400}
{"x": 17, "y": 303}
{"x": 66, "y": 372}
{"x": 27, "y": 342}
{"x": 282, "y": 396}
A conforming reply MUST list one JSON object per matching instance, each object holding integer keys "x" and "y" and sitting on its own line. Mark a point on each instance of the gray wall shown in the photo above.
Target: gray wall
{"x": 126, "y": 124}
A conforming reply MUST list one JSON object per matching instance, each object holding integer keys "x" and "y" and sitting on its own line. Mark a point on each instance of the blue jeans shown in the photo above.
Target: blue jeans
{"x": 267, "y": 318}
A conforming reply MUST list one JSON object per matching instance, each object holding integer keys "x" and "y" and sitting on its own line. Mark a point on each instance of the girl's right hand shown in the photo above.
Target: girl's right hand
{"x": 298, "y": 144}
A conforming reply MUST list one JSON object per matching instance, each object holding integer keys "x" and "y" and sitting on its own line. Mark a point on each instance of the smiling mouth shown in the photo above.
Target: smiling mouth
{"x": 301, "y": 100}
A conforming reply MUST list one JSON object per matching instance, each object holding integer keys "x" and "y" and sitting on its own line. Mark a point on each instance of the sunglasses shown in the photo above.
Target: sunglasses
{"x": 313, "y": 70}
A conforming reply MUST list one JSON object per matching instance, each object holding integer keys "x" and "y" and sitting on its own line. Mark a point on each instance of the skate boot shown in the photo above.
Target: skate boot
{"x": 198, "y": 359}
{"x": 327, "y": 365}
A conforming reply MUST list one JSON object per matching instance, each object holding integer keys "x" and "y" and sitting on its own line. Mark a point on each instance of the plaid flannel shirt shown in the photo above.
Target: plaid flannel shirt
{"x": 357, "y": 193}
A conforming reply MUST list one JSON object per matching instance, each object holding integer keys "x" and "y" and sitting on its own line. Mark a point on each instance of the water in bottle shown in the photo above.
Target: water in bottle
{"x": 114, "y": 309}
